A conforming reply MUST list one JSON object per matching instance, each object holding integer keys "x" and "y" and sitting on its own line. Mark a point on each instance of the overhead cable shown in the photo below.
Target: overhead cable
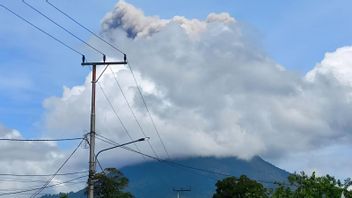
{"x": 177, "y": 164}
{"x": 146, "y": 107}
{"x": 42, "y": 175}
{"x": 129, "y": 66}
{"x": 34, "y": 189}
{"x": 39, "y": 140}
{"x": 133, "y": 113}
{"x": 167, "y": 162}
{"x": 58, "y": 170}
{"x": 41, "y": 30}
{"x": 84, "y": 27}
{"x": 63, "y": 28}
{"x": 117, "y": 116}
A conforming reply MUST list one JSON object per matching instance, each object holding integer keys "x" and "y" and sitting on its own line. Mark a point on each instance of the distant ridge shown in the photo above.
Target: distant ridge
{"x": 156, "y": 180}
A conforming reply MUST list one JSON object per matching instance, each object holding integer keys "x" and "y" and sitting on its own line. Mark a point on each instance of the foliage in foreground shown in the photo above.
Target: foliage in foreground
{"x": 302, "y": 185}
{"x": 110, "y": 184}
{"x": 233, "y": 187}
{"x": 299, "y": 185}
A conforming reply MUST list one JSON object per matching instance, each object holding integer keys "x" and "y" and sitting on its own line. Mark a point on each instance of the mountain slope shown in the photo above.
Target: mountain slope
{"x": 155, "y": 179}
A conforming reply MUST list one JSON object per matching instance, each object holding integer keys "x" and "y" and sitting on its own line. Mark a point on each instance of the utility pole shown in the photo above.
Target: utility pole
{"x": 92, "y": 161}
{"x": 179, "y": 190}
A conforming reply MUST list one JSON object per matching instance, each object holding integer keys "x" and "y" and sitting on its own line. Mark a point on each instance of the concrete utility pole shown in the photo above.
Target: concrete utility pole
{"x": 179, "y": 190}
{"x": 92, "y": 119}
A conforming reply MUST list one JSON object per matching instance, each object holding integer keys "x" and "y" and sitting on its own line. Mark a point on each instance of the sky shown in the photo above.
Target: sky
{"x": 222, "y": 78}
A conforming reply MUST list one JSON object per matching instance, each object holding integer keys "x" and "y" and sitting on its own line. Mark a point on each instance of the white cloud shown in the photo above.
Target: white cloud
{"x": 211, "y": 92}
{"x": 337, "y": 64}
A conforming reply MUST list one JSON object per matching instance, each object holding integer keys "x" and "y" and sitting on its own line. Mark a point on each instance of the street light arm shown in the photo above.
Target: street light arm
{"x": 120, "y": 145}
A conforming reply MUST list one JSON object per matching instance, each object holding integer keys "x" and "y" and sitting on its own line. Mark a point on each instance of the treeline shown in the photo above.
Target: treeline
{"x": 299, "y": 185}
{"x": 111, "y": 184}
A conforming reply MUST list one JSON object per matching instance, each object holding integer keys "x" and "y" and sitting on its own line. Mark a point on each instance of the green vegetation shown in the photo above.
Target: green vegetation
{"x": 63, "y": 195}
{"x": 302, "y": 185}
{"x": 232, "y": 187}
{"x": 110, "y": 184}
{"x": 299, "y": 185}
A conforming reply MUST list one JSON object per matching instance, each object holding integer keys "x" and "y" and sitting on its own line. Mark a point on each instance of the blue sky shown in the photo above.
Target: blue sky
{"x": 295, "y": 34}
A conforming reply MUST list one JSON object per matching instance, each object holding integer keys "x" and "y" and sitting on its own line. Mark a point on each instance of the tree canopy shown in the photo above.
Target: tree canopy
{"x": 110, "y": 184}
{"x": 242, "y": 187}
{"x": 302, "y": 185}
{"x": 298, "y": 185}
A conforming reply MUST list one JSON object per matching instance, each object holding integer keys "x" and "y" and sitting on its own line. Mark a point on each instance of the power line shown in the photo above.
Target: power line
{"x": 84, "y": 27}
{"x": 42, "y": 175}
{"x": 146, "y": 107}
{"x": 19, "y": 180}
{"x": 144, "y": 102}
{"x": 41, "y": 30}
{"x": 25, "y": 181}
{"x": 130, "y": 68}
{"x": 16, "y": 180}
{"x": 70, "y": 184}
{"x": 34, "y": 189}
{"x": 173, "y": 163}
{"x": 63, "y": 28}
{"x": 62, "y": 165}
{"x": 39, "y": 140}
{"x": 100, "y": 166}
{"x": 117, "y": 115}
{"x": 167, "y": 162}
{"x": 134, "y": 115}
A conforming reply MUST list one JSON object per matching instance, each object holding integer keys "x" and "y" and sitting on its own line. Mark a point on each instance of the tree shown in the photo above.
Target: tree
{"x": 63, "y": 195}
{"x": 302, "y": 185}
{"x": 243, "y": 187}
{"x": 110, "y": 184}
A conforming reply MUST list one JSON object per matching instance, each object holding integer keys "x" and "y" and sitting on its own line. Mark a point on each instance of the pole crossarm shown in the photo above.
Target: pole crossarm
{"x": 103, "y": 63}
{"x": 179, "y": 190}
{"x": 182, "y": 189}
